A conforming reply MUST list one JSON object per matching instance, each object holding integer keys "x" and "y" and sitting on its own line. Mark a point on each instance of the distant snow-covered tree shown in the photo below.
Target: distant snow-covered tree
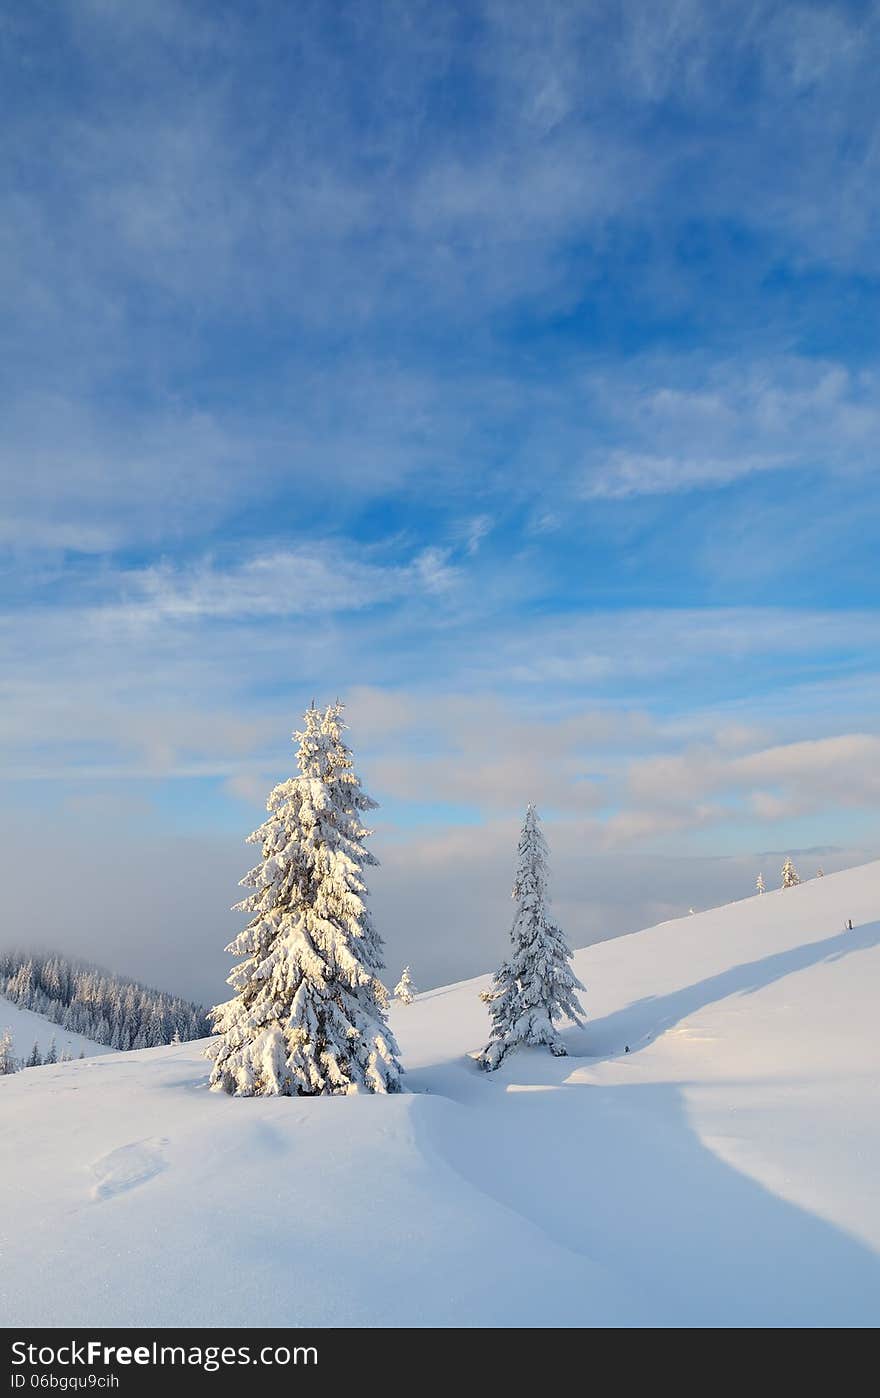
{"x": 760, "y": 885}
{"x": 35, "y": 1058}
{"x": 308, "y": 1016}
{"x": 7, "y": 1061}
{"x": 535, "y": 986}
{"x": 51, "y": 1052}
{"x": 789, "y": 875}
{"x": 405, "y": 989}
{"x": 820, "y": 872}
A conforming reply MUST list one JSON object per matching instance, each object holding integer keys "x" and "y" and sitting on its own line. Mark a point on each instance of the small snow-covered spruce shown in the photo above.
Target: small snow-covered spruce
{"x": 7, "y": 1061}
{"x": 760, "y": 885}
{"x": 405, "y": 989}
{"x": 789, "y": 875}
{"x": 35, "y": 1058}
{"x": 535, "y": 986}
{"x": 51, "y": 1052}
{"x": 308, "y": 1017}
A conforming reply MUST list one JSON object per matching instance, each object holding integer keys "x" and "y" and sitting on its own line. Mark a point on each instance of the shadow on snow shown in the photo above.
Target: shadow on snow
{"x": 618, "y": 1175}
{"x": 638, "y": 1023}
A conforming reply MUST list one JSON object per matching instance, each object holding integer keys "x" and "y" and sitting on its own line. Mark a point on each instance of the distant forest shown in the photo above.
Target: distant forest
{"x": 88, "y": 1000}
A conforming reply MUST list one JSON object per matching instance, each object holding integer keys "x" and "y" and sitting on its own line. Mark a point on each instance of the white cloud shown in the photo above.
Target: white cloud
{"x": 476, "y": 530}
{"x": 841, "y": 770}
{"x": 434, "y": 571}
{"x": 696, "y": 425}
{"x": 642, "y": 827}
{"x": 324, "y": 579}
{"x": 300, "y": 581}
{"x": 627, "y": 473}
{"x": 776, "y": 783}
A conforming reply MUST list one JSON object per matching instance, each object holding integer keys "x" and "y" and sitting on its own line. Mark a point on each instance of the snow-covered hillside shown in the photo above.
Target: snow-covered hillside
{"x": 721, "y": 1172}
{"x": 28, "y": 1029}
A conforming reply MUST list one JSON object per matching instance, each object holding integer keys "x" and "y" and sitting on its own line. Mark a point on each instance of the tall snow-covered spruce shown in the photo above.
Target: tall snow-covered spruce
{"x": 309, "y": 1013}
{"x": 536, "y": 985}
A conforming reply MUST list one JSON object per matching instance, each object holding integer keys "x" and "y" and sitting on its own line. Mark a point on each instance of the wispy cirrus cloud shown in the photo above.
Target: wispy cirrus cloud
{"x": 304, "y": 580}
{"x": 627, "y": 474}
{"x": 693, "y": 426}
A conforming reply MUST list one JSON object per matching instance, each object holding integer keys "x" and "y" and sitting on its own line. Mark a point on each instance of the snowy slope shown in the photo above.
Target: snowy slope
{"x": 28, "y": 1028}
{"x": 722, "y": 1172}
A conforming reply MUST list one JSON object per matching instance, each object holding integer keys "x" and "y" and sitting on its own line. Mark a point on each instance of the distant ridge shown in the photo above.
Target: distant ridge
{"x": 94, "y": 1002}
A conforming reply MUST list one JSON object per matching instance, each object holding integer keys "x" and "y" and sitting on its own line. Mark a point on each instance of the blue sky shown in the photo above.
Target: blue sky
{"x": 508, "y": 370}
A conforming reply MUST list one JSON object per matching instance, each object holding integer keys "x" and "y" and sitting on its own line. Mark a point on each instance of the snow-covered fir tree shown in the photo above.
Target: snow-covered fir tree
{"x": 35, "y": 1058}
{"x": 7, "y": 1061}
{"x": 308, "y": 1016}
{"x": 51, "y": 1052}
{"x": 789, "y": 875}
{"x": 535, "y": 986}
{"x": 405, "y": 989}
{"x": 760, "y": 885}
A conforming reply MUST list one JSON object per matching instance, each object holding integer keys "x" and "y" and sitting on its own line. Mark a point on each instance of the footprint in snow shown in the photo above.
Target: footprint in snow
{"x": 128, "y": 1167}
